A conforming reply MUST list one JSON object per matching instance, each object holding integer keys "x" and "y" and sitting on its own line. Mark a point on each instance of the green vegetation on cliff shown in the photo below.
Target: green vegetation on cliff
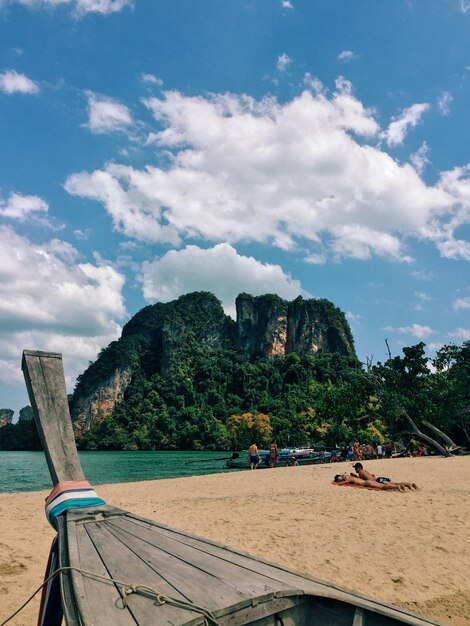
{"x": 195, "y": 379}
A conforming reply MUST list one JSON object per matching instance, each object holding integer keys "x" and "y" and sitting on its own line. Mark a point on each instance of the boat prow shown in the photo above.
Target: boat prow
{"x": 119, "y": 569}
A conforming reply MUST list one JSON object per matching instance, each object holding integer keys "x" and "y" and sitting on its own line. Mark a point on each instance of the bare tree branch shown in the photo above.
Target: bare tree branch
{"x": 451, "y": 445}
{"x": 419, "y": 435}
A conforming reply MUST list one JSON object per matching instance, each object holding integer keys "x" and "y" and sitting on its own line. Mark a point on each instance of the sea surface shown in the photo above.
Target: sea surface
{"x": 27, "y": 471}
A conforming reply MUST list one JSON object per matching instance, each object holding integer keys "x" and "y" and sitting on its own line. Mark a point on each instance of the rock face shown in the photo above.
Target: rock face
{"x": 6, "y": 416}
{"x": 159, "y": 337}
{"x": 269, "y": 326}
{"x": 90, "y": 410}
{"x": 262, "y": 324}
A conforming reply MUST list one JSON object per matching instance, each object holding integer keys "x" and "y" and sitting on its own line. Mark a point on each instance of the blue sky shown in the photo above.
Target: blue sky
{"x": 154, "y": 147}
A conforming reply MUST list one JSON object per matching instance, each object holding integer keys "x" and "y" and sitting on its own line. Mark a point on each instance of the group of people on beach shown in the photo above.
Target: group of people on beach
{"x": 272, "y": 458}
{"x": 364, "y": 478}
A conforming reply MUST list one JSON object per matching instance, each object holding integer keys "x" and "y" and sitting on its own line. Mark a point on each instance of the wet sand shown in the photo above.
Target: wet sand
{"x": 410, "y": 549}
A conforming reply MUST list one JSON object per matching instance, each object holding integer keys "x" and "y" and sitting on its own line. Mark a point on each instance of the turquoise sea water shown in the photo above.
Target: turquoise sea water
{"x": 27, "y": 471}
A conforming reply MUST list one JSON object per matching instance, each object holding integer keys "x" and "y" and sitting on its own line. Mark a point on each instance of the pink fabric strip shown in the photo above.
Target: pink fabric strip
{"x": 66, "y": 485}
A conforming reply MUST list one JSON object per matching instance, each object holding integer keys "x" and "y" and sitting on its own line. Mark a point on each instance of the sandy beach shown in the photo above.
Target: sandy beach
{"x": 410, "y": 549}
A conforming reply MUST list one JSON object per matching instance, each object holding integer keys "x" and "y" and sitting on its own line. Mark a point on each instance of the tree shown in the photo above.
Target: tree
{"x": 247, "y": 428}
{"x": 410, "y": 396}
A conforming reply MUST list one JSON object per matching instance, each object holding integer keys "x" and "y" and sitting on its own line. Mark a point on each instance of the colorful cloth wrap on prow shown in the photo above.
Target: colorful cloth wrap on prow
{"x": 70, "y": 494}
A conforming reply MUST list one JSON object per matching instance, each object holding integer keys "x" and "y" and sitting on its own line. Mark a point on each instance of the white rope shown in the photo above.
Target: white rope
{"x": 125, "y": 590}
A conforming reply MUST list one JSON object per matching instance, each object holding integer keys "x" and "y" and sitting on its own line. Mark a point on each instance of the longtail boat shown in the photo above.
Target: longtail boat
{"x": 109, "y": 567}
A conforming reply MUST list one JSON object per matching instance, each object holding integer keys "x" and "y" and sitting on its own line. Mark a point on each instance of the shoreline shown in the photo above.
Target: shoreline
{"x": 407, "y": 549}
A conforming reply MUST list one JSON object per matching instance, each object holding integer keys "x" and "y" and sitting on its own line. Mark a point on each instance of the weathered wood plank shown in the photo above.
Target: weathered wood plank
{"x": 68, "y": 598}
{"x": 124, "y": 565}
{"x": 44, "y": 376}
{"x": 182, "y": 571}
{"x": 206, "y": 569}
{"x": 289, "y": 577}
{"x": 99, "y": 597}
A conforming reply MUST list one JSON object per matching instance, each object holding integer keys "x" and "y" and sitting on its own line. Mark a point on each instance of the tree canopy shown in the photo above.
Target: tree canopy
{"x": 216, "y": 399}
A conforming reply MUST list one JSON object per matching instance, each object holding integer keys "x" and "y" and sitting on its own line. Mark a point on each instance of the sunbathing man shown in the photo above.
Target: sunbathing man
{"x": 365, "y": 475}
{"x": 354, "y": 480}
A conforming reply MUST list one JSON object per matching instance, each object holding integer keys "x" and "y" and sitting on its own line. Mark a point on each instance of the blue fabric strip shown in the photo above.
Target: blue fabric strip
{"x": 82, "y": 503}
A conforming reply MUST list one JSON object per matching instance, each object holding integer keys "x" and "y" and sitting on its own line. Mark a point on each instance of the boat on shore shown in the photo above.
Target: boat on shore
{"x": 264, "y": 463}
{"x": 110, "y": 567}
{"x": 287, "y": 458}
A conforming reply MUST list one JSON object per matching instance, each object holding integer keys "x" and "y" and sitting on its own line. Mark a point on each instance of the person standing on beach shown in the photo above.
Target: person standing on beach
{"x": 273, "y": 454}
{"x": 254, "y": 458}
{"x": 357, "y": 450}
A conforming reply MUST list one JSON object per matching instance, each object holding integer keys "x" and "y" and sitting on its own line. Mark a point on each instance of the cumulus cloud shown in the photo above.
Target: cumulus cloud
{"x": 442, "y": 229}
{"x": 80, "y": 7}
{"x": 283, "y": 62}
{"x": 297, "y": 175}
{"x": 53, "y": 303}
{"x": 150, "y": 78}
{"x": 220, "y": 270}
{"x": 13, "y": 82}
{"x": 286, "y": 4}
{"x": 415, "y": 330}
{"x": 20, "y": 207}
{"x": 444, "y": 102}
{"x": 419, "y": 159}
{"x": 313, "y": 84}
{"x": 400, "y": 125}
{"x": 346, "y": 55}
{"x": 422, "y": 296}
{"x": 461, "y": 333}
{"x": 106, "y": 115}
{"x": 462, "y": 303}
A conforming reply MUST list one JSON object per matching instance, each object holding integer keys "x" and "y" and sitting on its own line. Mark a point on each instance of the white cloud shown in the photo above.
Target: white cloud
{"x": 283, "y": 62}
{"x": 315, "y": 259}
{"x": 53, "y": 303}
{"x": 416, "y": 330}
{"x": 286, "y": 4}
{"x": 464, "y": 6}
{"x": 423, "y": 275}
{"x": 420, "y": 159}
{"x": 443, "y": 104}
{"x": 314, "y": 84}
{"x": 346, "y": 55}
{"x": 20, "y": 207}
{"x": 291, "y": 174}
{"x": 106, "y": 115}
{"x": 462, "y": 303}
{"x": 13, "y": 82}
{"x": 399, "y": 127}
{"x": 354, "y": 319}
{"x": 461, "y": 333}
{"x": 80, "y": 7}
{"x": 442, "y": 229}
{"x": 220, "y": 270}
{"x": 150, "y": 78}
{"x": 422, "y": 296}
{"x": 361, "y": 242}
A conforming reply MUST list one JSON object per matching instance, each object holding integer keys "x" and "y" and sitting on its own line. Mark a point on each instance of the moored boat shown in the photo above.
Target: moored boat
{"x": 119, "y": 569}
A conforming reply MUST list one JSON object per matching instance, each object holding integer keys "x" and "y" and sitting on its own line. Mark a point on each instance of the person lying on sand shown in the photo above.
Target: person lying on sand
{"x": 354, "y": 480}
{"x": 365, "y": 475}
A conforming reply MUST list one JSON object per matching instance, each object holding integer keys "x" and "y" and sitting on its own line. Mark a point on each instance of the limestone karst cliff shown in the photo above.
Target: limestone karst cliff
{"x": 161, "y": 337}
